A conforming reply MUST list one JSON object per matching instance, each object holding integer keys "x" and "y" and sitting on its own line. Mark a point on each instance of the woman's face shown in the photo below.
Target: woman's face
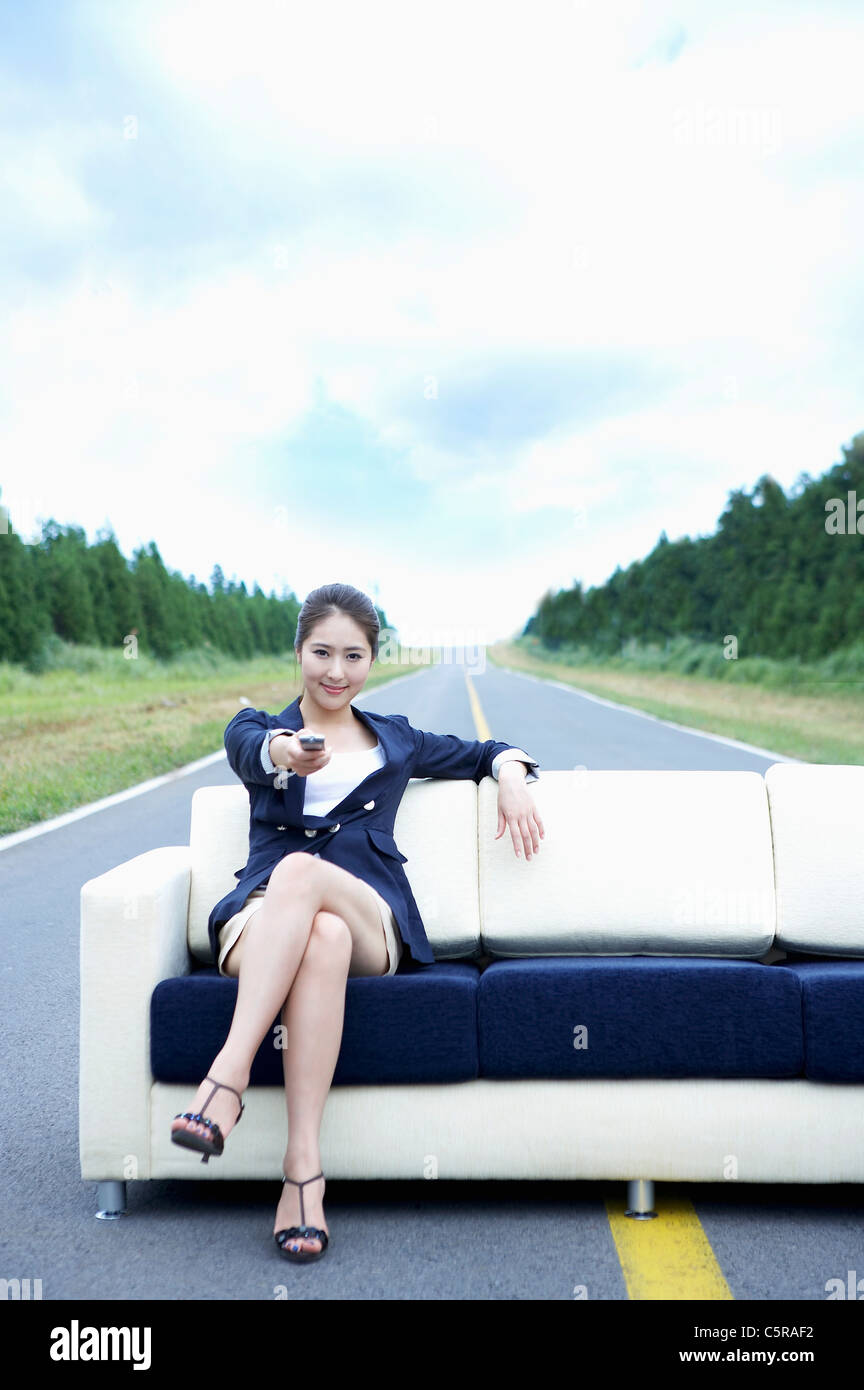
{"x": 335, "y": 661}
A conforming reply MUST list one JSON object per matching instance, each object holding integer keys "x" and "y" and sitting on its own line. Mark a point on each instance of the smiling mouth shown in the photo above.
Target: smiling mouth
{"x": 333, "y": 687}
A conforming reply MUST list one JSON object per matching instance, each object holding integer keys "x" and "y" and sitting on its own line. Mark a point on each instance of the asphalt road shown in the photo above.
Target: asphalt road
{"x": 391, "y": 1240}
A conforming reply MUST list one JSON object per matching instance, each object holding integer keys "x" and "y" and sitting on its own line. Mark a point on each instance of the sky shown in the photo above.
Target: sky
{"x": 456, "y": 303}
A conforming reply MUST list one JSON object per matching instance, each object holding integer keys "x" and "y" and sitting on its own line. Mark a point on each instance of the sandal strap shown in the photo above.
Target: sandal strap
{"x": 201, "y": 1119}
{"x": 217, "y": 1085}
{"x": 301, "y": 1185}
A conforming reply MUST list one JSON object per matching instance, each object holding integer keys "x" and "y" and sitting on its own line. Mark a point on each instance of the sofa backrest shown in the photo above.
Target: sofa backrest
{"x": 817, "y": 816}
{"x": 435, "y": 827}
{"x": 633, "y": 863}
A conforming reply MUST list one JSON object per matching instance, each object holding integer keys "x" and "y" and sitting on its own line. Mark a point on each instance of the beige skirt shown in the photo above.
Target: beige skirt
{"x": 229, "y": 933}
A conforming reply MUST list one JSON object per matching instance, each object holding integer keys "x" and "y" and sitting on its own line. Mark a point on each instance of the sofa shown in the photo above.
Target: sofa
{"x": 671, "y": 990}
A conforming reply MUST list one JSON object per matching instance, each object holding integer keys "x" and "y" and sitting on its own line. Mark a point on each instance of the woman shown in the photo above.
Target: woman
{"x": 324, "y": 895}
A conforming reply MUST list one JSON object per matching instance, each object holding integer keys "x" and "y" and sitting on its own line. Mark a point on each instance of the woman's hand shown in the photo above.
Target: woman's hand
{"x": 516, "y": 810}
{"x": 287, "y": 751}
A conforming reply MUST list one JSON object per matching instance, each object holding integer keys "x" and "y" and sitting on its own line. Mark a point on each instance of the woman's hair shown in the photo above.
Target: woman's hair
{"x": 341, "y": 598}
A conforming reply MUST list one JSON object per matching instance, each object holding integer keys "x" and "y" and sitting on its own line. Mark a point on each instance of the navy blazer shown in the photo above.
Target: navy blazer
{"x": 358, "y": 833}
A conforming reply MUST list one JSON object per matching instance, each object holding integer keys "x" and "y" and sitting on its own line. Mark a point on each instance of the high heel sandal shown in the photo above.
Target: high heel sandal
{"x": 202, "y": 1143}
{"x": 301, "y": 1232}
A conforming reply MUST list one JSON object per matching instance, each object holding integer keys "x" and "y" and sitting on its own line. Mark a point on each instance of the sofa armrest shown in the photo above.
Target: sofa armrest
{"x": 133, "y": 934}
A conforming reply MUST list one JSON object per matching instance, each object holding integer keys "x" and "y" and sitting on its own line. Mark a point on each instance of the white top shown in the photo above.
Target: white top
{"x": 331, "y": 784}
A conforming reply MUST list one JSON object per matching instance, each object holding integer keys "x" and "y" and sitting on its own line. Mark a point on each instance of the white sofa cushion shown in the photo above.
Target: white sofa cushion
{"x": 633, "y": 863}
{"x": 817, "y": 819}
{"x": 435, "y": 827}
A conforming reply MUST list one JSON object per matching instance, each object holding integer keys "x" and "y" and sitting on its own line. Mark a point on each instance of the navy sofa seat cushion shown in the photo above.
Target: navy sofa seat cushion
{"x": 645, "y": 1016}
{"x": 420, "y": 1026}
{"x": 833, "y": 1002}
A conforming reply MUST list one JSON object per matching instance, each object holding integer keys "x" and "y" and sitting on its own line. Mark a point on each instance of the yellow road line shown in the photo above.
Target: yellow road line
{"x": 667, "y": 1258}
{"x": 482, "y": 727}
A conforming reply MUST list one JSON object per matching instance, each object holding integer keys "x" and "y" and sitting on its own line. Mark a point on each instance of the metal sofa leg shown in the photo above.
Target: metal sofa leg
{"x": 640, "y": 1199}
{"x": 111, "y": 1200}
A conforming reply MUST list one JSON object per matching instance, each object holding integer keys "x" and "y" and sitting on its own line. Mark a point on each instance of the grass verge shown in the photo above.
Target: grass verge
{"x": 81, "y": 732}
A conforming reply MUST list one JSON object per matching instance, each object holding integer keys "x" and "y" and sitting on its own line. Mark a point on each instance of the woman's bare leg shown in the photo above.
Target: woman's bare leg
{"x": 312, "y": 1019}
{"x": 267, "y": 958}
{"x": 274, "y": 939}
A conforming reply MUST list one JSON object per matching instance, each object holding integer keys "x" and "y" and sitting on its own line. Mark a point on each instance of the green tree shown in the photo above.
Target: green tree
{"x": 24, "y": 622}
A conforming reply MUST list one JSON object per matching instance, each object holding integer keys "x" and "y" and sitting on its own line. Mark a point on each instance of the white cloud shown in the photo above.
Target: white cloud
{"x": 40, "y": 197}
{"x": 101, "y": 384}
{"x": 573, "y": 177}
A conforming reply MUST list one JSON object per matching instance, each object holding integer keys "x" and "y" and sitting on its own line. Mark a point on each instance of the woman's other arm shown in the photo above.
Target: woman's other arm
{"x": 446, "y": 755}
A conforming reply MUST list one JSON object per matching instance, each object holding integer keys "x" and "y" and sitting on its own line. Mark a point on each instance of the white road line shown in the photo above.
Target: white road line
{"x": 56, "y": 822}
{"x": 670, "y": 724}
{"x": 7, "y": 841}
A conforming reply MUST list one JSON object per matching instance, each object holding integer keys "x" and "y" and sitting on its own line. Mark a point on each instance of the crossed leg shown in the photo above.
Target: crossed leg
{"x": 317, "y": 925}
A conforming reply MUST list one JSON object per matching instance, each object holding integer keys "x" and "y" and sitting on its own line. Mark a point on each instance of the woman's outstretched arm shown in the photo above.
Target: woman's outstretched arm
{"x": 446, "y": 755}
